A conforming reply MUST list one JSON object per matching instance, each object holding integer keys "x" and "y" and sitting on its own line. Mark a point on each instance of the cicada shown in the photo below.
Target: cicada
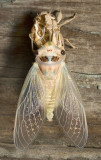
{"x": 49, "y": 89}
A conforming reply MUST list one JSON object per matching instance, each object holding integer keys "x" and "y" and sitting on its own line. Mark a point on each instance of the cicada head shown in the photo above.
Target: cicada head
{"x": 49, "y": 59}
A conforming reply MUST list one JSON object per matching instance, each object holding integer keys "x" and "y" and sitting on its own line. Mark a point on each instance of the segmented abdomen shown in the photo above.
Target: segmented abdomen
{"x": 49, "y": 99}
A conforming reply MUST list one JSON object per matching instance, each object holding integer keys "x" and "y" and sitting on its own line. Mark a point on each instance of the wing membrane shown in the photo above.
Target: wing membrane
{"x": 70, "y": 112}
{"x": 30, "y": 112}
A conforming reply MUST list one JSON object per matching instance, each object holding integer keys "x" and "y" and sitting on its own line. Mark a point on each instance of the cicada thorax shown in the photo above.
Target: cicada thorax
{"x": 49, "y": 59}
{"x": 50, "y": 72}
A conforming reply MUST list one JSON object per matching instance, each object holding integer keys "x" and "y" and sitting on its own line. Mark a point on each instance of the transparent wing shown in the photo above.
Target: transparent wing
{"x": 70, "y": 112}
{"x": 30, "y": 112}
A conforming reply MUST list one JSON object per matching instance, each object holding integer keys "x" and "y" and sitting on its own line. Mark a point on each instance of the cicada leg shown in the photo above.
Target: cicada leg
{"x": 68, "y": 20}
{"x": 69, "y": 43}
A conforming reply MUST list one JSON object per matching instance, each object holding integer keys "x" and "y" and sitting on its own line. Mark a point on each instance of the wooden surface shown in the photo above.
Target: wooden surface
{"x": 16, "y": 19}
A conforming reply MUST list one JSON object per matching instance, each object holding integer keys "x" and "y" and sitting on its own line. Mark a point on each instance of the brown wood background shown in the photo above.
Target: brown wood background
{"x": 16, "y": 19}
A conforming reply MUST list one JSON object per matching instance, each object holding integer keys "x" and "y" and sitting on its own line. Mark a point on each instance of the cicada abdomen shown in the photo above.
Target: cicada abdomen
{"x": 49, "y": 89}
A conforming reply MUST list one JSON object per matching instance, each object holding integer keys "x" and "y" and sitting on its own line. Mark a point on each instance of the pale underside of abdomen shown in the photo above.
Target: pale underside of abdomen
{"x": 50, "y": 99}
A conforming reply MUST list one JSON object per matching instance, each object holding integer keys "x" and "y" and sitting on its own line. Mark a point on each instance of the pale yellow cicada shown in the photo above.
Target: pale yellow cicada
{"x": 49, "y": 89}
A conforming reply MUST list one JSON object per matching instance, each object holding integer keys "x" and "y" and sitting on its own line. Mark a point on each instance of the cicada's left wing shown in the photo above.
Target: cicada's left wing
{"x": 70, "y": 112}
{"x": 30, "y": 112}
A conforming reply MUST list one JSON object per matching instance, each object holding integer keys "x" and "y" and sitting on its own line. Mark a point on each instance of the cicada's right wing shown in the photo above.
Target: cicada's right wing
{"x": 70, "y": 111}
{"x": 30, "y": 112}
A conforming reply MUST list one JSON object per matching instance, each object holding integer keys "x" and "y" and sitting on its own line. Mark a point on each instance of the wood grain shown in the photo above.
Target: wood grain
{"x": 49, "y": 152}
{"x": 16, "y": 57}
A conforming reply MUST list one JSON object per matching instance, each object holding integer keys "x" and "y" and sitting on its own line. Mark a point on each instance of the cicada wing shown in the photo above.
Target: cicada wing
{"x": 30, "y": 112}
{"x": 70, "y": 112}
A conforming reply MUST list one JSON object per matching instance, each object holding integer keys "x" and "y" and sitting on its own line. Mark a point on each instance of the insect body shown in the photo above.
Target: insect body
{"x": 49, "y": 88}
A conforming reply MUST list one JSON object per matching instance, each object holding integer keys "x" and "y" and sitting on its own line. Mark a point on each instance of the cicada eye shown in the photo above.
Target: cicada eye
{"x": 62, "y": 52}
